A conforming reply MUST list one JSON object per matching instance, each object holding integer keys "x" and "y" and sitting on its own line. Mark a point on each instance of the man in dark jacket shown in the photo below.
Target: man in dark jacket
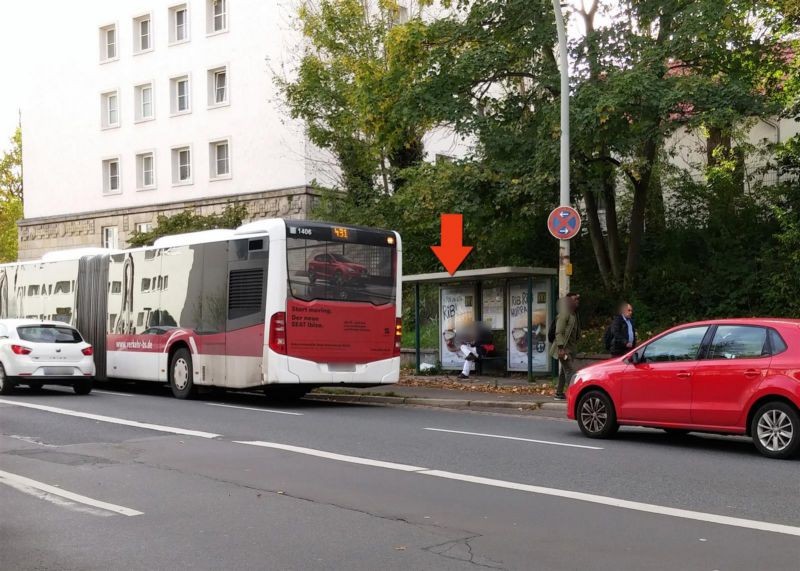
{"x": 623, "y": 331}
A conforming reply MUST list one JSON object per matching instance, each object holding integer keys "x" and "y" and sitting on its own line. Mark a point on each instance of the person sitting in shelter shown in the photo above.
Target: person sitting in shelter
{"x": 476, "y": 343}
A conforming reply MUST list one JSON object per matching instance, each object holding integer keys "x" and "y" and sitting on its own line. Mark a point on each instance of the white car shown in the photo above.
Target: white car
{"x": 38, "y": 353}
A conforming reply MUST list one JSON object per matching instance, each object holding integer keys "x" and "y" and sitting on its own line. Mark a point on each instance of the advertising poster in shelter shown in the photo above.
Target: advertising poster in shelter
{"x": 493, "y": 315}
{"x": 518, "y": 326}
{"x": 457, "y": 310}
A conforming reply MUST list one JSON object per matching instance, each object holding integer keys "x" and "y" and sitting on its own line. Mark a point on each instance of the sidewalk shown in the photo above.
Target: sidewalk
{"x": 448, "y": 392}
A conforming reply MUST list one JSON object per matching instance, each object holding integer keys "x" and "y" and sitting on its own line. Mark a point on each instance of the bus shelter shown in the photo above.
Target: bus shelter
{"x": 516, "y": 303}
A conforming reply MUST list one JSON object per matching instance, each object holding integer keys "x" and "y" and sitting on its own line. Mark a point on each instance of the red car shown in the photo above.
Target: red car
{"x": 336, "y": 268}
{"x": 733, "y": 376}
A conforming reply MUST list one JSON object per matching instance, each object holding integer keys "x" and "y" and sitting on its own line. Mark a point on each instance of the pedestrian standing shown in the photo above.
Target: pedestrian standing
{"x": 566, "y": 341}
{"x": 623, "y": 331}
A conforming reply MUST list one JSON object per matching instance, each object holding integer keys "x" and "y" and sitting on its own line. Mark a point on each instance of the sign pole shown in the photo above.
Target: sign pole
{"x": 564, "y": 249}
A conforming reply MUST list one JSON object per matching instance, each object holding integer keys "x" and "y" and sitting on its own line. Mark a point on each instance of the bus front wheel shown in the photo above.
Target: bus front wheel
{"x": 181, "y": 374}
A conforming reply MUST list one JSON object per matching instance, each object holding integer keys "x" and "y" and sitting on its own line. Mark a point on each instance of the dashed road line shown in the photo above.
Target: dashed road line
{"x": 545, "y": 491}
{"x": 61, "y": 497}
{"x": 256, "y": 409}
{"x": 112, "y": 419}
{"x": 552, "y": 443}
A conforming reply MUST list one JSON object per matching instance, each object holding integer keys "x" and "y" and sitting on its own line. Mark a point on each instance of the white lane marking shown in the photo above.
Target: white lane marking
{"x": 541, "y": 490}
{"x": 253, "y": 408}
{"x": 516, "y": 438}
{"x": 332, "y": 456}
{"x": 112, "y": 420}
{"x": 112, "y": 393}
{"x": 46, "y": 491}
{"x": 624, "y": 504}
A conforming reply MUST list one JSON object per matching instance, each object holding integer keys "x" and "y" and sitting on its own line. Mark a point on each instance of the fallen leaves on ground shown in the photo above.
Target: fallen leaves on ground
{"x": 476, "y": 385}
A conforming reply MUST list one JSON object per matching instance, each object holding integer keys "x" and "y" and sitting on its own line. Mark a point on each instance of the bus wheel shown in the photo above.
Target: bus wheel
{"x": 286, "y": 393}
{"x": 180, "y": 374}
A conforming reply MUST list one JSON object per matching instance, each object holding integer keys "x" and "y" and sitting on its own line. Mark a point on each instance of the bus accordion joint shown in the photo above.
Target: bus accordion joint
{"x": 277, "y": 332}
{"x": 398, "y": 337}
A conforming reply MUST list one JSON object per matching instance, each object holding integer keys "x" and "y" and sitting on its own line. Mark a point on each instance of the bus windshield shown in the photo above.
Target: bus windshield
{"x": 342, "y": 264}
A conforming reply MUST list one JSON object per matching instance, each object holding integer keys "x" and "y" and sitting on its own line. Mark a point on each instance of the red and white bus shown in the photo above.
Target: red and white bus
{"x": 285, "y": 305}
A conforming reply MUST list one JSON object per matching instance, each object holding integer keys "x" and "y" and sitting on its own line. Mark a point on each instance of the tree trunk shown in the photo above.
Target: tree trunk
{"x": 596, "y": 236}
{"x": 638, "y": 211}
{"x": 612, "y": 226}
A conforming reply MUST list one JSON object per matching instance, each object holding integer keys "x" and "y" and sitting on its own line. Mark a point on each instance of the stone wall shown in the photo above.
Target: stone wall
{"x": 38, "y": 236}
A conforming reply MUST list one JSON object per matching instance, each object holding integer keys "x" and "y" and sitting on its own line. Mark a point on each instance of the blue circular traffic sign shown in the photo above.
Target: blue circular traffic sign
{"x": 564, "y": 222}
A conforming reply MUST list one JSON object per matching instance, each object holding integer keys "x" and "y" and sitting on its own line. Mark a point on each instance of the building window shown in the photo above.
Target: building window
{"x": 218, "y": 86}
{"x": 143, "y": 94}
{"x": 142, "y": 34}
{"x": 143, "y": 227}
{"x": 110, "y": 237}
{"x": 108, "y": 43}
{"x": 178, "y": 24}
{"x": 181, "y": 165}
{"x": 219, "y": 159}
{"x": 111, "y": 178}
{"x": 180, "y": 96}
{"x": 145, "y": 171}
{"x": 109, "y": 109}
{"x": 216, "y": 16}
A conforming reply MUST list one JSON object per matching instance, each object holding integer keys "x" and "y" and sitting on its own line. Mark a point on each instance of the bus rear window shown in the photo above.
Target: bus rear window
{"x": 332, "y": 270}
{"x": 48, "y": 334}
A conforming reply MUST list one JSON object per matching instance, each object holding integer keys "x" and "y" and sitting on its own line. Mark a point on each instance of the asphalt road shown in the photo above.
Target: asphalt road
{"x": 133, "y": 479}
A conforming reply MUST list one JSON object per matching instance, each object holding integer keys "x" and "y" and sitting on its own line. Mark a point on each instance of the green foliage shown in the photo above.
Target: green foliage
{"x": 10, "y": 198}
{"x": 678, "y": 244}
{"x": 187, "y": 221}
{"x": 350, "y": 79}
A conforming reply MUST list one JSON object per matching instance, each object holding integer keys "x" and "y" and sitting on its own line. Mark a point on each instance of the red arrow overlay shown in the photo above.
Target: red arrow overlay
{"x": 452, "y": 252}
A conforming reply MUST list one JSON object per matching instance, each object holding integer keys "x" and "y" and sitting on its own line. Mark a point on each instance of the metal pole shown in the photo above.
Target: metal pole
{"x": 564, "y": 253}
{"x": 530, "y": 329}
{"x": 416, "y": 324}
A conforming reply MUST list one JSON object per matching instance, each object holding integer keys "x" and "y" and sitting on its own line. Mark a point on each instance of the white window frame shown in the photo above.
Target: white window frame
{"x": 104, "y": 240}
{"x": 138, "y": 97}
{"x": 211, "y": 17}
{"x": 106, "y": 170}
{"x": 142, "y": 227}
{"x": 105, "y": 109}
{"x": 104, "y": 44}
{"x": 213, "y": 160}
{"x": 137, "y": 34}
{"x": 173, "y": 94}
{"x": 212, "y": 76}
{"x": 173, "y": 24}
{"x": 175, "y": 153}
{"x": 141, "y": 156}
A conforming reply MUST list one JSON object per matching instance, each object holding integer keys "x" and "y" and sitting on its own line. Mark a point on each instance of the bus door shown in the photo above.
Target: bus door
{"x": 245, "y": 335}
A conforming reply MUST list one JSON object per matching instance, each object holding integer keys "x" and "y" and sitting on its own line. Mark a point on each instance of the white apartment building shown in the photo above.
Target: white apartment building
{"x": 151, "y": 106}
{"x": 144, "y": 107}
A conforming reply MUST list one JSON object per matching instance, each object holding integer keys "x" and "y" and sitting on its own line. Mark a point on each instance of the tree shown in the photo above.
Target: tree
{"x": 348, "y": 82}
{"x": 10, "y": 198}
{"x": 187, "y": 221}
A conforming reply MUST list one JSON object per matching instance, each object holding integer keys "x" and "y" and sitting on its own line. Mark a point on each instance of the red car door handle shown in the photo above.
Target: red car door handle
{"x": 684, "y": 375}
{"x": 751, "y": 373}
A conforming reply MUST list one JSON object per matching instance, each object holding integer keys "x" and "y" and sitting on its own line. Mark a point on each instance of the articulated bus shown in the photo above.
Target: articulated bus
{"x": 284, "y": 305}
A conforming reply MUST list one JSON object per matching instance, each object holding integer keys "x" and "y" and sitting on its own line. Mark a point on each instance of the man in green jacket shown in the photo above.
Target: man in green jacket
{"x": 565, "y": 346}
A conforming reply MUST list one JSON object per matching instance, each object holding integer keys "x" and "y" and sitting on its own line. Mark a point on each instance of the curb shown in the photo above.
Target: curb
{"x": 438, "y": 402}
